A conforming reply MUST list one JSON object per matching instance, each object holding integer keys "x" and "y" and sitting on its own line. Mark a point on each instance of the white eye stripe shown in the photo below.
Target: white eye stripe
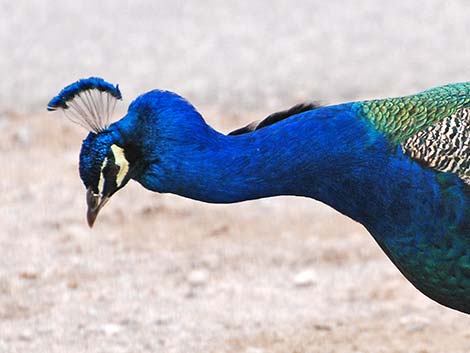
{"x": 101, "y": 181}
{"x": 121, "y": 161}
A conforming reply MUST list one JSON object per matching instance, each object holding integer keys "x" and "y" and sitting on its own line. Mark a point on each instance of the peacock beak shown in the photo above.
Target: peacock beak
{"x": 95, "y": 203}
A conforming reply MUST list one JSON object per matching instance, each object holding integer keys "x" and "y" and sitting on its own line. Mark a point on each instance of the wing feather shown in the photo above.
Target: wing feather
{"x": 444, "y": 146}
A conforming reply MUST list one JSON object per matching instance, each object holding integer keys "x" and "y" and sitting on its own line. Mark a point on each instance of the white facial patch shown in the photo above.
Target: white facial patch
{"x": 121, "y": 161}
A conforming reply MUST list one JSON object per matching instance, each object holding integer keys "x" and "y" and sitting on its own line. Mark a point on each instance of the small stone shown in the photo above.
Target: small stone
{"x": 198, "y": 277}
{"x": 305, "y": 278}
{"x": 211, "y": 261}
{"x": 254, "y": 350}
{"x": 23, "y": 136}
{"x": 322, "y": 327}
{"x": 72, "y": 284}
{"x": 92, "y": 312}
{"x": 75, "y": 231}
{"x": 222, "y": 230}
{"x": 29, "y": 274}
{"x": 111, "y": 329}
{"x": 162, "y": 321}
{"x": 413, "y": 323}
{"x": 26, "y": 335}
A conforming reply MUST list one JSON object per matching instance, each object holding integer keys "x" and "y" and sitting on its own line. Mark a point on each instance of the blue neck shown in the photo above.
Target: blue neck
{"x": 329, "y": 154}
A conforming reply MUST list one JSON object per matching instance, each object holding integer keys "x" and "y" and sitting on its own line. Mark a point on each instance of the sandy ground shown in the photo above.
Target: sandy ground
{"x": 159, "y": 273}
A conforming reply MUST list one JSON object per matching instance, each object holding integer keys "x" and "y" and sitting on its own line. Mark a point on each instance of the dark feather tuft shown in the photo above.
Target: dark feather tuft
{"x": 275, "y": 117}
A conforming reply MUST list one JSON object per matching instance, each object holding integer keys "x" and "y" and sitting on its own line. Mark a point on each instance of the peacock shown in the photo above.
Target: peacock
{"x": 399, "y": 166}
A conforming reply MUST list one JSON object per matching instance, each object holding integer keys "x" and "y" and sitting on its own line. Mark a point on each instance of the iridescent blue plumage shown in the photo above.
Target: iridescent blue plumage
{"x": 94, "y": 150}
{"x": 419, "y": 214}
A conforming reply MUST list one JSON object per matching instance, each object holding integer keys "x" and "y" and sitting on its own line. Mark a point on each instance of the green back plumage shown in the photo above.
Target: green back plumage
{"x": 432, "y": 127}
{"x": 401, "y": 118}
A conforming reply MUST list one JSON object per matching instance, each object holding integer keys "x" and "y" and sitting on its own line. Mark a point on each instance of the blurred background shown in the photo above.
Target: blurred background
{"x": 160, "y": 273}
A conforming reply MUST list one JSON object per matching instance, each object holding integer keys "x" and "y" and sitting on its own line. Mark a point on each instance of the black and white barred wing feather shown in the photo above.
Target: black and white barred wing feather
{"x": 444, "y": 146}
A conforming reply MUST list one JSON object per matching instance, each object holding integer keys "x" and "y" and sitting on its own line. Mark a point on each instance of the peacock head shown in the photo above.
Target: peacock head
{"x": 104, "y": 166}
{"x": 104, "y": 169}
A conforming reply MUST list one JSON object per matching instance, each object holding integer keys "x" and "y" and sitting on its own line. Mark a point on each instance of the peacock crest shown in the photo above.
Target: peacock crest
{"x": 88, "y": 102}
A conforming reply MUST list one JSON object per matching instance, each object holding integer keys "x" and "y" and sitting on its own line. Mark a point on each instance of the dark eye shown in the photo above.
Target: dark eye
{"x": 110, "y": 171}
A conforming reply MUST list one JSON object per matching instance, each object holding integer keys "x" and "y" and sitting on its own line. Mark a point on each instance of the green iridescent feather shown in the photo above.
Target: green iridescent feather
{"x": 400, "y": 118}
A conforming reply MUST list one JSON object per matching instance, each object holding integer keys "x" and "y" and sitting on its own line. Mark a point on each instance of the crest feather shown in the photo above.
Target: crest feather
{"x": 88, "y": 102}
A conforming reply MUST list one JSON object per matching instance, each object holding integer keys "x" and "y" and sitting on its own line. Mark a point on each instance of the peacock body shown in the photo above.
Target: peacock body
{"x": 399, "y": 166}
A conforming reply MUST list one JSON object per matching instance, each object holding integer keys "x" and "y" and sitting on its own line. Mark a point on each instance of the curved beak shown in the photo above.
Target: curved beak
{"x": 95, "y": 203}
